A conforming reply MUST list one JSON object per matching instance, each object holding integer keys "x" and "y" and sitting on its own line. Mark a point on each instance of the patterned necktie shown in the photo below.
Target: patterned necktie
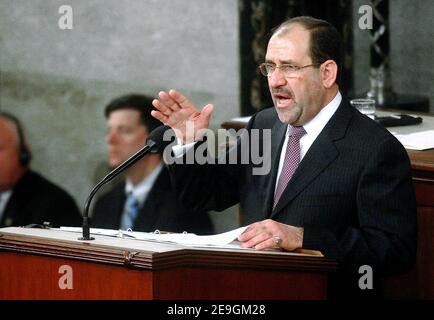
{"x": 290, "y": 164}
{"x": 132, "y": 209}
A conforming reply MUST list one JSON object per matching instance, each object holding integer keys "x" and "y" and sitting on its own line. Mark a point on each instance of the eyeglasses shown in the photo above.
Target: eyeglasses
{"x": 288, "y": 70}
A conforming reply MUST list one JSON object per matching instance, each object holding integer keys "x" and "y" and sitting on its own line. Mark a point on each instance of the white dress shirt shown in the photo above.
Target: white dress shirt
{"x": 142, "y": 189}
{"x": 313, "y": 128}
{"x": 4, "y": 198}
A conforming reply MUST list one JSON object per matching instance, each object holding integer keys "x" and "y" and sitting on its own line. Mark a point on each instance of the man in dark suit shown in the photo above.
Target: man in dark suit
{"x": 144, "y": 201}
{"x": 338, "y": 182}
{"x": 25, "y": 196}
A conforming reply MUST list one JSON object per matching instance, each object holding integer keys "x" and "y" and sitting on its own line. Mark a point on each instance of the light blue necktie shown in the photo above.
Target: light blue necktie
{"x": 132, "y": 209}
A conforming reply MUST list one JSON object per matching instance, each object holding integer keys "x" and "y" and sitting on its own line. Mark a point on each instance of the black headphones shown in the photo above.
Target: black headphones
{"x": 24, "y": 153}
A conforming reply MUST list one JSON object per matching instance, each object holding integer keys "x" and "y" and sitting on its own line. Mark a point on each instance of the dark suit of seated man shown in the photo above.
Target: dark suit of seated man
{"x": 145, "y": 201}
{"x": 26, "y": 197}
{"x": 337, "y": 182}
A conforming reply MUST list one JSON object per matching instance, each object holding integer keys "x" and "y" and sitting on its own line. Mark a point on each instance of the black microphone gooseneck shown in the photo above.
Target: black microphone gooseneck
{"x": 154, "y": 144}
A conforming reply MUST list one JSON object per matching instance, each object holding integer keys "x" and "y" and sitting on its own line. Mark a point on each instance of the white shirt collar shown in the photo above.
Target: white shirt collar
{"x": 314, "y": 127}
{"x": 4, "y": 198}
{"x": 142, "y": 189}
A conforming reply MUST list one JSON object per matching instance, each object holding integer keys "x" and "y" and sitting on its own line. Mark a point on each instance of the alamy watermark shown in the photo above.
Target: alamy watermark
{"x": 227, "y": 146}
{"x": 66, "y": 279}
{"x": 365, "y": 21}
{"x": 367, "y": 278}
{"x": 66, "y": 20}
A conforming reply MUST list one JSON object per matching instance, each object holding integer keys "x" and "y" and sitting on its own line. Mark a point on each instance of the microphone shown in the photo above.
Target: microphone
{"x": 154, "y": 144}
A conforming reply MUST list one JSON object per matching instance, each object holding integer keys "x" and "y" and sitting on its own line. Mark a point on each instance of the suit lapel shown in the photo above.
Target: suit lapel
{"x": 16, "y": 203}
{"x": 10, "y": 213}
{"x": 320, "y": 155}
{"x": 310, "y": 167}
{"x": 117, "y": 208}
{"x": 277, "y": 139}
{"x": 150, "y": 210}
{"x": 109, "y": 214}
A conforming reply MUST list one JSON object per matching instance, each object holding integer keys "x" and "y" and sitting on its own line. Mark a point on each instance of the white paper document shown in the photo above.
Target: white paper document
{"x": 187, "y": 239}
{"x": 422, "y": 140}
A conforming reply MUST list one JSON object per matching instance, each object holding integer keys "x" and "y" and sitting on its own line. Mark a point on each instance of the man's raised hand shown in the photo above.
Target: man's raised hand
{"x": 176, "y": 111}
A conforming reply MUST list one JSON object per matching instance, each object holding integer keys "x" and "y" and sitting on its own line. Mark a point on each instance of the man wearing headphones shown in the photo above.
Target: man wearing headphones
{"x": 25, "y": 196}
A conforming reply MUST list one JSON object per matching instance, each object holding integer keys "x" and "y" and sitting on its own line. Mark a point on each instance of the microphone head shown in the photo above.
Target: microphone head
{"x": 158, "y": 139}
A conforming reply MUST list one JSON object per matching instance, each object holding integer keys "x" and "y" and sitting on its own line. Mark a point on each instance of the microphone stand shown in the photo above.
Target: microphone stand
{"x": 112, "y": 174}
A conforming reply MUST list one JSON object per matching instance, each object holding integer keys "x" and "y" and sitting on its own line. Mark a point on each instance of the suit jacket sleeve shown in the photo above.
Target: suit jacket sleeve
{"x": 214, "y": 185}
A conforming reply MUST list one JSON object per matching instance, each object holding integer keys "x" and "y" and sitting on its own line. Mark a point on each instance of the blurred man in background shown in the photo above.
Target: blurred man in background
{"x": 144, "y": 200}
{"x": 25, "y": 196}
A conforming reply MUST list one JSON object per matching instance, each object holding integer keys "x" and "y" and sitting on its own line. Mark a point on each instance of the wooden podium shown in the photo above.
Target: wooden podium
{"x": 53, "y": 264}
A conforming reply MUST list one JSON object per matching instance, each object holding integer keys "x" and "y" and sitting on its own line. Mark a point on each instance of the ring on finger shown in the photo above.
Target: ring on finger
{"x": 277, "y": 241}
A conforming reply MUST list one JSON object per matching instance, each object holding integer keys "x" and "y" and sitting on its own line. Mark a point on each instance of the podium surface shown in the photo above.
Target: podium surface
{"x": 54, "y": 264}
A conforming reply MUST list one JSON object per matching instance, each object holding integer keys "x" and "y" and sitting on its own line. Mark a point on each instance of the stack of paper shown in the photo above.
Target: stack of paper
{"x": 422, "y": 140}
{"x": 188, "y": 239}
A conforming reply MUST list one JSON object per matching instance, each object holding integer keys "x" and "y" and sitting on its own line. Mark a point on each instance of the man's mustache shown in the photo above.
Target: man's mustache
{"x": 281, "y": 91}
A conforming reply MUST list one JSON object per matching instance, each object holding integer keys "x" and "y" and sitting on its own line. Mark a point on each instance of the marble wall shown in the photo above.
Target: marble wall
{"x": 58, "y": 81}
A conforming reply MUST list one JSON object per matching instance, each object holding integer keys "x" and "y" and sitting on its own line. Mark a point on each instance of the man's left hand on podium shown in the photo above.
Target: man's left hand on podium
{"x": 271, "y": 234}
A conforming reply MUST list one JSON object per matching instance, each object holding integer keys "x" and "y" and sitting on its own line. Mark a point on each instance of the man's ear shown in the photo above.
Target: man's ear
{"x": 329, "y": 72}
